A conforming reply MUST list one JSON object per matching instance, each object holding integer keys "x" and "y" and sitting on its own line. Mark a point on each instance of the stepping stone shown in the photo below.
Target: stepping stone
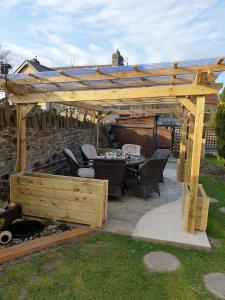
{"x": 222, "y": 209}
{"x": 213, "y": 200}
{"x": 215, "y": 283}
{"x": 159, "y": 261}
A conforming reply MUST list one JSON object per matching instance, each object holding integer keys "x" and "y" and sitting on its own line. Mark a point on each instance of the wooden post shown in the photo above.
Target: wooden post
{"x": 21, "y": 112}
{"x": 187, "y": 173}
{"x": 195, "y": 162}
{"x": 97, "y": 129}
{"x": 183, "y": 142}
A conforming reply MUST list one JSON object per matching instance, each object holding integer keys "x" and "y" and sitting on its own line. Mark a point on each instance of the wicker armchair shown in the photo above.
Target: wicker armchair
{"x": 133, "y": 149}
{"x": 114, "y": 171}
{"x": 146, "y": 179}
{"x": 162, "y": 153}
{"x": 75, "y": 167}
{"x": 88, "y": 152}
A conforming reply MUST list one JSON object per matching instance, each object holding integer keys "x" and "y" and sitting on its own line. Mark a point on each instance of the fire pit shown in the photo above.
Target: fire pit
{"x": 25, "y": 228}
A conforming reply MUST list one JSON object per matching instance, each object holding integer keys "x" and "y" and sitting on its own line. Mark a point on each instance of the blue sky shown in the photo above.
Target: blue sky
{"x": 88, "y": 31}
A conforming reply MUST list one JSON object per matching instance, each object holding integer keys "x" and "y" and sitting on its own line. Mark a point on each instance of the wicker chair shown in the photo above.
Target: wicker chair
{"x": 75, "y": 167}
{"x": 162, "y": 153}
{"x": 146, "y": 179}
{"x": 133, "y": 149}
{"x": 114, "y": 171}
{"x": 88, "y": 152}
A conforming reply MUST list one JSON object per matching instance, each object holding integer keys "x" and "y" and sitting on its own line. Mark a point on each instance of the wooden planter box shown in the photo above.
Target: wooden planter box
{"x": 72, "y": 199}
{"x": 202, "y": 208}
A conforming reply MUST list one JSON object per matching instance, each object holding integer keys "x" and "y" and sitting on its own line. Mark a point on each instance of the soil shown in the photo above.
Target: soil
{"x": 209, "y": 169}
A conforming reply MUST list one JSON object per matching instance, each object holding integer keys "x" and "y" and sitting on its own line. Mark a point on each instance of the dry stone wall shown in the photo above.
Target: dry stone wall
{"x": 47, "y": 135}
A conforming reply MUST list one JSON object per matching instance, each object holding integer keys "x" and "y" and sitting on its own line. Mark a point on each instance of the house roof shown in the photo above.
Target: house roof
{"x": 79, "y": 67}
{"x": 35, "y": 65}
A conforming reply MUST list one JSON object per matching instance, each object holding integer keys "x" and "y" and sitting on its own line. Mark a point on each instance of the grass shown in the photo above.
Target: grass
{"x": 107, "y": 266}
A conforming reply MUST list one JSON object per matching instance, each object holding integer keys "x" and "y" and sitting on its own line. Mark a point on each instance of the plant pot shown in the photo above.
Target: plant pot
{"x": 11, "y": 214}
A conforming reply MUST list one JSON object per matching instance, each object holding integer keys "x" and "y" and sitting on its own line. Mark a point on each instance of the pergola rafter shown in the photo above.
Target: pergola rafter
{"x": 181, "y": 84}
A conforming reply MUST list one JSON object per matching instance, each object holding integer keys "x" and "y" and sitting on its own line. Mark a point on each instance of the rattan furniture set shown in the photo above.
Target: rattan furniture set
{"x": 136, "y": 174}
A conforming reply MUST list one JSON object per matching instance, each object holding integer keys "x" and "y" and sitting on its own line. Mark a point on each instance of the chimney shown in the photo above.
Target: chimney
{"x": 35, "y": 60}
{"x": 117, "y": 59}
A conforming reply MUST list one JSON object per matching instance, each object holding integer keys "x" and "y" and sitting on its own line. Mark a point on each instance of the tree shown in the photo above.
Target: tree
{"x": 3, "y": 54}
{"x": 222, "y": 95}
{"x": 220, "y": 133}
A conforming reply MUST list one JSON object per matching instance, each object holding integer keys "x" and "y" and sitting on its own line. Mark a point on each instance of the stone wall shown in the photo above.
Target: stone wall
{"x": 44, "y": 144}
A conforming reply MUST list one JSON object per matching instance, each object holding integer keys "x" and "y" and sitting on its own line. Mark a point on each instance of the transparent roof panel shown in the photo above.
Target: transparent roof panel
{"x": 108, "y": 69}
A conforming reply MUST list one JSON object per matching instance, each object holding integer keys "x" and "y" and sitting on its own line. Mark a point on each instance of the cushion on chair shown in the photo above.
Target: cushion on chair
{"x": 71, "y": 155}
{"x": 86, "y": 172}
{"x": 89, "y": 151}
{"x": 133, "y": 149}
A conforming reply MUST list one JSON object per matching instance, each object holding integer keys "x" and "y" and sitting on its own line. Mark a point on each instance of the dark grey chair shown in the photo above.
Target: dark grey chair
{"x": 146, "y": 179}
{"x": 114, "y": 171}
{"x": 162, "y": 153}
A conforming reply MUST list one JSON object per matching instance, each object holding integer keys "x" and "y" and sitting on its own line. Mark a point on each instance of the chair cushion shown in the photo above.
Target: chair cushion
{"x": 86, "y": 172}
{"x": 89, "y": 151}
{"x": 71, "y": 155}
{"x": 134, "y": 149}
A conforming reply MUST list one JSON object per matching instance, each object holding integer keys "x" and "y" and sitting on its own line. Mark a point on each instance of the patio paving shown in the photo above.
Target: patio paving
{"x": 157, "y": 218}
{"x": 161, "y": 262}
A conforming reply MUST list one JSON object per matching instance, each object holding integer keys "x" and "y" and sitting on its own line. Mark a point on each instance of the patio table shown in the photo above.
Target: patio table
{"x": 130, "y": 162}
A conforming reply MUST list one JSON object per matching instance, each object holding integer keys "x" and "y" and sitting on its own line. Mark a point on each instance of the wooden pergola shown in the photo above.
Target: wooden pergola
{"x": 181, "y": 86}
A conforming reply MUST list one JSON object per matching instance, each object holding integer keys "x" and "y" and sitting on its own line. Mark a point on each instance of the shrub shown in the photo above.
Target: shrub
{"x": 220, "y": 133}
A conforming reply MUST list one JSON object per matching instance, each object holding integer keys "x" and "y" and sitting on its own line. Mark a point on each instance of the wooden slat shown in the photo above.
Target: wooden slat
{"x": 64, "y": 183}
{"x": 42, "y": 243}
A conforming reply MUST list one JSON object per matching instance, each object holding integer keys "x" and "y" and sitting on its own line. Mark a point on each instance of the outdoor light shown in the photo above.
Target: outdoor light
{"x": 4, "y": 68}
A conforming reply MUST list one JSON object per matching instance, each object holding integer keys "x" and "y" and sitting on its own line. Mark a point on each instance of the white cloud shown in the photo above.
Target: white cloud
{"x": 6, "y": 5}
{"x": 145, "y": 31}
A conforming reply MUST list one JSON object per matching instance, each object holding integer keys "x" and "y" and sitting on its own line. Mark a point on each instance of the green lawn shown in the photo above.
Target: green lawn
{"x": 107, "y": 266}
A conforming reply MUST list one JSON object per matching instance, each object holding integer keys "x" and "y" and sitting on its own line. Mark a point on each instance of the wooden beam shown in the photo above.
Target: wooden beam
{"x": 83, "y": 105}
{"x": 145, "y": 111}
{"x": 197, "y": 78}
{"x": 195, "y": 162}
{"x": 121, "y": 75}
{"x": 114, "y": 94}
{"x": 220, "y": 60}
{"x": 105, "y": 104}
{"x": 175, "y": 64}
{"x": 189, "y": 105}
{"x": 77, "y": 85}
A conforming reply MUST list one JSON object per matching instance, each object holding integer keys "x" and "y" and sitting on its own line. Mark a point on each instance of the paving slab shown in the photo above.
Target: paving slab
{"x": 213, "y": 200}
{"x": 215, "y": 283}
{"x": 161, "y": 262}
{"x": 222, "y": 209}
{"x": 123, "y": 215}
{"x": 165, "y": 224}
